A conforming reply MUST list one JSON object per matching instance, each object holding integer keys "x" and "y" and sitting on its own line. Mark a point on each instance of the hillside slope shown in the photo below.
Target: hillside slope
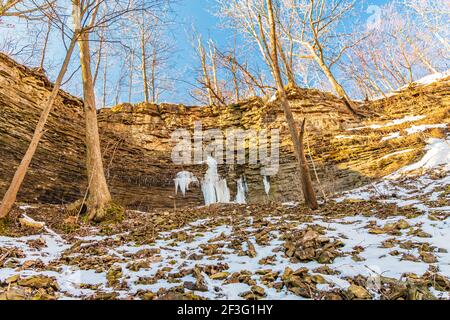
{"x": 386, "y": 241}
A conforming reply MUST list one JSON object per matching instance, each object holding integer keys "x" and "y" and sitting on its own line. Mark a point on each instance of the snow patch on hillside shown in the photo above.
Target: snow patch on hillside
{"x": 390, "y": 124}
{"x": 425, "y": 81}
{"x": 438, "y": 153}
{"x": 429, "y": 79}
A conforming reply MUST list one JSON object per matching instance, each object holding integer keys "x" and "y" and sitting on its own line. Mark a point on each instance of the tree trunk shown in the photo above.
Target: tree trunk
{"x": 308, "y": 190}
{"x": 130, "y": 91}
{"x": 44, "y": 49}
{"x": 99, "y": 56}
{"x": 11, "y": 193}
{"x": 335, "y": 84}
{"x": 105, "y": 69}
{"x": 144, "y": 67}
{"x": 99, "y": 195}
{"x": 206, "y": 79}
{"x": 235, "y": 82}
{"x": 421, "y": 55}
{"x": 305, "y": 174}
{"x": 288, "y": 68}
{"x": 154, "y": 90}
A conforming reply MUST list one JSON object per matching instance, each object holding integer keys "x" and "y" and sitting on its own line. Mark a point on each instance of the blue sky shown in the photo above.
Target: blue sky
{"x": 201, "y": 14}
{"x": 187, "y": 13}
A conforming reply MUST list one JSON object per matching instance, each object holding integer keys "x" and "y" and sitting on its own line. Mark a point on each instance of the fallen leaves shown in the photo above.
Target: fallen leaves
{"x": 171, "y": 258}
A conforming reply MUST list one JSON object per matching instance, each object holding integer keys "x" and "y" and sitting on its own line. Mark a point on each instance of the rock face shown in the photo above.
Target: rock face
{"x": 138, "y": 177}
{"x": 137, "y": 144}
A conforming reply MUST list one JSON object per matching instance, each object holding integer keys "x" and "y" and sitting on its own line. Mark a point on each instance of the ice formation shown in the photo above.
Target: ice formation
{"x": 215, "y": 189}
{"x": 183, "y": 180}
{"x": 266, "y": 184}
{"x": 241, "y": 191}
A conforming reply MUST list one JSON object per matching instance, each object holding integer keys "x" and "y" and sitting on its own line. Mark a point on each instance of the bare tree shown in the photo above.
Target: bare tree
{"x": 244, "y": 78}
{"x": 44, "y": 47}
{"x": 148, "y": 45}
{"x": 26, "y": 9}
{"x": 434, "y": 16}
{"x": 296, "y": 135}
{"x": 396, "y": 51}
{"x": 208, "y": 77}
{"x": 316, "y": 25}
{"x": 308, "y": 31}
{"x": 11, "y": 194}
{"x": 99, "y": 195}
{"x": 86, "y": 19}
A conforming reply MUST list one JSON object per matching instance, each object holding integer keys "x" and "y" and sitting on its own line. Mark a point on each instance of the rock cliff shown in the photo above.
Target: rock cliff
{"x": 137, "y": 145}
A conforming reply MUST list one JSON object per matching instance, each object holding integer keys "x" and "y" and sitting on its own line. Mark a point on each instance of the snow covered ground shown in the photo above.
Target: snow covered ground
{"x": 247, "y": 257}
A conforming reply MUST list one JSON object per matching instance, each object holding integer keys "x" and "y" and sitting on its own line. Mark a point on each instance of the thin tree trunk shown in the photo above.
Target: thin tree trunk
{"x": 235, "y": 81}
{"x": 11, "y": 193}
{"x": 289, "y": 73}
{"x": 233, "y": 69}
{"x": 130, "y": 88}
{"x": 44, "y": 49}
{"x": 99, "y": 56}
{"x": 305, "y": 174}
{"x": 99, "y": 195}
{"x": 420, "y": 54}
{"x": 105, "y": 69}
{"x": 154, "y": 60}
{"x": 144, "y": 67}
{"x": 207, "y": 81}
{"x": 335, "y": 84}
{"x": 308, "y": 190}
{"x": 213, "y": 57}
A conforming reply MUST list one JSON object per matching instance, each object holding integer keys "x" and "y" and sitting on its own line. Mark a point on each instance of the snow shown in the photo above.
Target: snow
{"x": 411, "y": 192}
{"x": 433, "y": 78}
{"x": 290, "y": 204}
{"x": 183, "y": 180}
{"x": 339, "y": 137}
{"x": 377, "y": 259}
{"x": 427, "y": 80}
{"x": 396, "y": 153}
{"x": 421, "y": 192}
{"x": 438, "y": 153}
{"x": 273, "y": 98}
{"x": 414, "y": 129}
{"x": 32, "y": 221}
{"x": 403, "y": 120}
{"x": 393, "y": 135}
{"x": 215, "y": 189}
{"x": 241, "y": 188}
{"x": 424, "y": 127}
{"x": 390, "y": 124}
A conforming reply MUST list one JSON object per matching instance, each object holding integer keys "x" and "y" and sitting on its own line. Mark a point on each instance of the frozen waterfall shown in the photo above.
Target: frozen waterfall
{"x": 241, "y": 190}
{"x": 266, "y": 184}
{"x": 183, "y": 180}
{"x": 215, "y": 189}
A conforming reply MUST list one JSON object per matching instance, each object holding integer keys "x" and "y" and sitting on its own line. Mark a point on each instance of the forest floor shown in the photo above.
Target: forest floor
{"x": 388, "y": 240}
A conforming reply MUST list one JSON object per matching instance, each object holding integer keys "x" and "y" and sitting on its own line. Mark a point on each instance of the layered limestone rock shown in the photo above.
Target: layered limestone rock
{"x": 137, "y": 144}
{"x": 138, "y": 177}
{"x": 151, "y": 126}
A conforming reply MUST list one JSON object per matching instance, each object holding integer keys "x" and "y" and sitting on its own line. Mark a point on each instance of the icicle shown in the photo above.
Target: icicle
{"x": 241, "y": 190}
{"x": 215, "y": 190}
{"x": 183, "y": 180}
{"x": 266, "y": 184}
{"x": 222, "y": 191}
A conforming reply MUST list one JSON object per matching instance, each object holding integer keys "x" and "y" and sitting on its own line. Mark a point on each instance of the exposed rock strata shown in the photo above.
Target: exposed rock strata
{"x": 137, "y": 145}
